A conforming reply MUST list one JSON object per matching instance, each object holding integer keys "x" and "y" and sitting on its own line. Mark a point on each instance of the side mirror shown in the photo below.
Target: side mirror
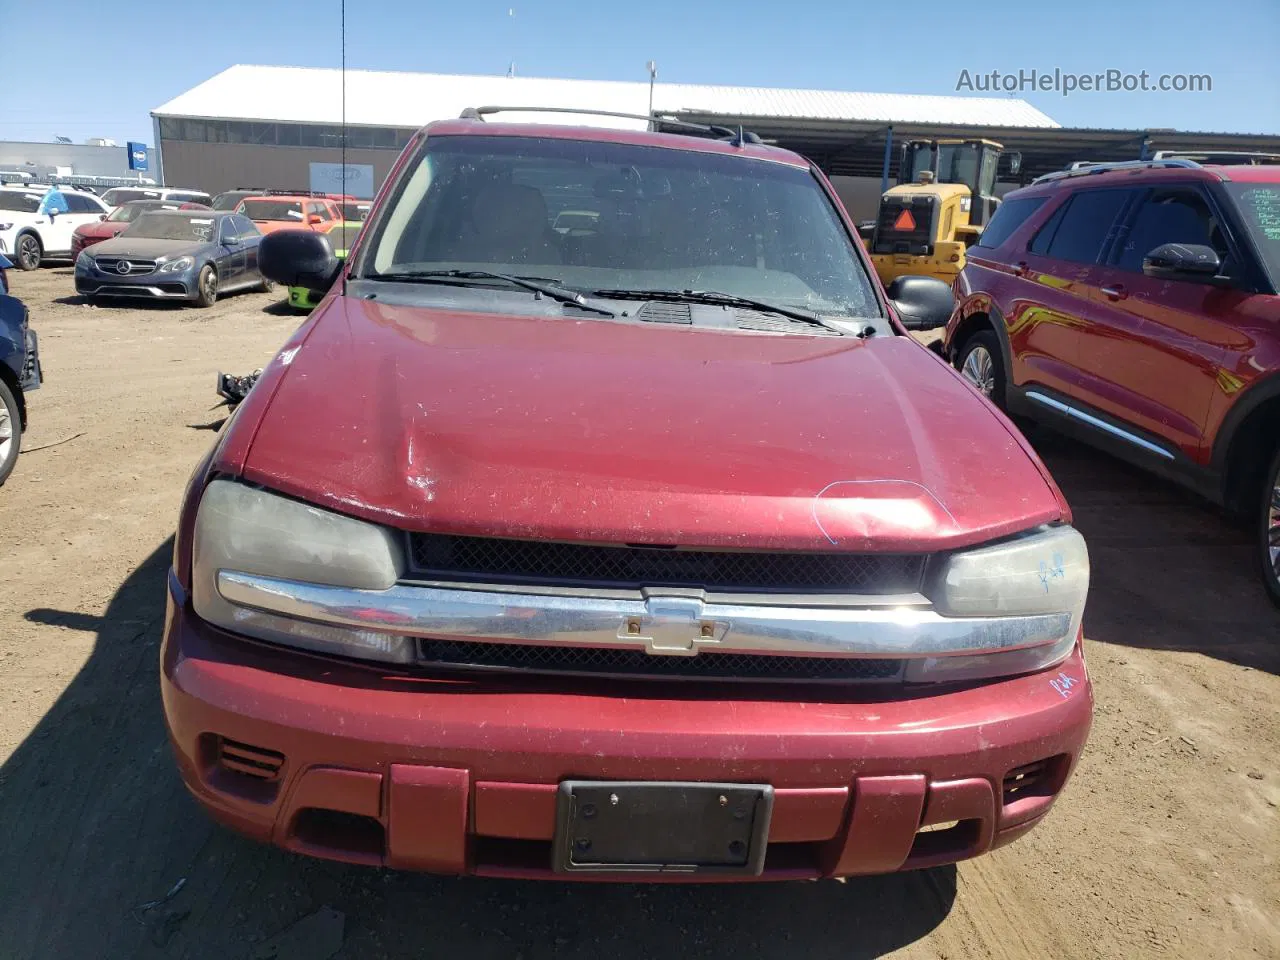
{"x": 1183, "y": 261}
{"x": 298, "y": 258}
{"x": 102, "y": 216}
{"x": 314, "y": 219}
{"x": 922, "y": 303}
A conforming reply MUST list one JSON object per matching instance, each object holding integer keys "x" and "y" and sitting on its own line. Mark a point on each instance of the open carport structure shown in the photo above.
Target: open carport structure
{"x": 276, "y": 126}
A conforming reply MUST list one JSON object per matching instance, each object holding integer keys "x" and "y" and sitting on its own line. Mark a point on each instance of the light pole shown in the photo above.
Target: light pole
{"x": 653, "y": 75}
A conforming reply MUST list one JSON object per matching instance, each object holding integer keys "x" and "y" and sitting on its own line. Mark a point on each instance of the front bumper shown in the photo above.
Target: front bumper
{"x": 93, "y": 282}
{"x": 150, "y": 286}
{"x": 366, "y": 764}
{"x": 301, "y": 298}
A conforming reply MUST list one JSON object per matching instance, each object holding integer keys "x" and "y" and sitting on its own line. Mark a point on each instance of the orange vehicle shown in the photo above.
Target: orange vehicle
{"x": 292, "y": 211}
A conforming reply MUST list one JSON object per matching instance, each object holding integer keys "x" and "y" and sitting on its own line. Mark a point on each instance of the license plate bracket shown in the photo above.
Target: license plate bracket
{"x": 662, "y": 827}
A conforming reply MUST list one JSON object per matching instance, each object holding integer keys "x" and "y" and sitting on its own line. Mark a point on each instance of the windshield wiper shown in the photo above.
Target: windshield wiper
{"x": 715, "y": 298}
{"x": 537, "y": 285}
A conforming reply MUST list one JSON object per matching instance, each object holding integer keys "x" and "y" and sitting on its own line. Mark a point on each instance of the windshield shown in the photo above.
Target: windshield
{"x": 229, "y": 201}
{"x": 639, "y": 218}
{"x": 21, "y": 202}
{"x": 118, "y": 195}
{"x": 1259, "y": 205}
{"x": 272, "y": 210}
{"x": 165, "y": 226}
{"x": 131, "y": 211}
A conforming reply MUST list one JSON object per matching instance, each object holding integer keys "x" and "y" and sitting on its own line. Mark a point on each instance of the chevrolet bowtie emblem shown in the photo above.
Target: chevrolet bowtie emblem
{"x": 673, "y": 626}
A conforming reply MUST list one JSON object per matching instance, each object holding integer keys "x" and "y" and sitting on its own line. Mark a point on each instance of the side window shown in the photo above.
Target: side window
{"x": 317, "y": 210}
{"x": 1008, "y": 218}
{"x": 79, "y": 204}
{"x": 1087, "y": 224}
{"x": 1044, "y": 236}
{"x": 245, "y": 227}
{"x": 227, "y": 231}
{"x": 1170, "y": 215}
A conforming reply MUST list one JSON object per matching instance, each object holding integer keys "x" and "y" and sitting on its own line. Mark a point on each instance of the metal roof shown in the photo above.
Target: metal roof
{"x": 309, "y": 95}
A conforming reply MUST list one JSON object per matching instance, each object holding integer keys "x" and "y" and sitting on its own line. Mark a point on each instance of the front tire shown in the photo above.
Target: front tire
{"x": 28, "y": 251}
{"x": 10, "y": 431}
{"x": 207, "y": 287}
{"x": 1269, "y": 530}
{"x": 982, "y": 364}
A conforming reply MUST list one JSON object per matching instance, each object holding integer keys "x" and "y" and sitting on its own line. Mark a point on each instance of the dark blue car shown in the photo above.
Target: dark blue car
{"x": 187, "y": 255}
{"x": 19, "y": 372}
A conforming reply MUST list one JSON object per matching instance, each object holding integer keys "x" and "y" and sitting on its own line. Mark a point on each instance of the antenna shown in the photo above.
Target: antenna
{"x": 343, "y": 8}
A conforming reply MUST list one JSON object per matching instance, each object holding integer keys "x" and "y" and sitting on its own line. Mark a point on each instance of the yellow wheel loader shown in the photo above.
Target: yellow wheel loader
{"x": 944, "y": 197}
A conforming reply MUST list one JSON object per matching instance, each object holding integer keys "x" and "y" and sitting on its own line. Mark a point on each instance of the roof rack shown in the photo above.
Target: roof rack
{"x": 1084, "y": 168}
{"x": 739, "y": 137}
{"x": 315, "y": 194}
{"x": 1224, "y": 158}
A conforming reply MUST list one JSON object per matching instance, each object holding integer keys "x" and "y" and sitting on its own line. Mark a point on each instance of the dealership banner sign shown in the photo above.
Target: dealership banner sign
{"x": 355, "y": 179}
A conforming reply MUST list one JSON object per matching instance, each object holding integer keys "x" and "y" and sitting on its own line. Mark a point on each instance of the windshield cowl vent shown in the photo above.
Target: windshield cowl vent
{"x": 657, "y": 312}
{"x": 774, "y": 323}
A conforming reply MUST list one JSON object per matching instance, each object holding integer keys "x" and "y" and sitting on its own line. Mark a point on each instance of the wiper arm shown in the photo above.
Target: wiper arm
{"x": 715, "y": 298}
{"x": 537, "y": 285}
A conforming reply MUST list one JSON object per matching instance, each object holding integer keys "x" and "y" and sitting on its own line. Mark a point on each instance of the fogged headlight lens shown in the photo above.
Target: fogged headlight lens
{"x": 245, "y": 530}
{"x": 84, "y": 263}
{"x": 1045, "y": 572}
{"x": 1042, "y": 574}
{"x": 177, "y": 266}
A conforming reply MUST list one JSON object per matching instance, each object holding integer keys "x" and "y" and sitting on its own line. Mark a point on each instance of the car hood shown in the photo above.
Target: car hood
{"x": 591, "y": 430}
{"x": 146, "y": 249}
{"x": 102, "y": 228}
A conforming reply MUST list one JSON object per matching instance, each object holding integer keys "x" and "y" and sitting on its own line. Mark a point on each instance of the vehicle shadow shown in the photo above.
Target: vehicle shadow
{"x": 1169, "y": 570}
{"x": 97, "y": 825}
{"x": 281, "y": 308}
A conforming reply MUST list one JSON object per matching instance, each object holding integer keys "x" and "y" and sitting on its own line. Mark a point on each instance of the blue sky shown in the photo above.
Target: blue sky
{"x": 101, "y": 78}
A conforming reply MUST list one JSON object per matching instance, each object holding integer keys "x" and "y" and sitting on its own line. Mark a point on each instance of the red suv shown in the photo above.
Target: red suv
{"x": 646, "y": 551}
{"x": 1135, "y": 306}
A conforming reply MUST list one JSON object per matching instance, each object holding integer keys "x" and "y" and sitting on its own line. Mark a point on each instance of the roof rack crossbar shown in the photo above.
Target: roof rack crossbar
{"x": 1085, "y": 168}
{"x": 479, "y": 113}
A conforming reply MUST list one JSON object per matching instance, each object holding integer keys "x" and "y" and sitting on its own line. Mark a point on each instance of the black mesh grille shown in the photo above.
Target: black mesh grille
{"x": 493, "y": 560}
{"x": 636, "y": 663}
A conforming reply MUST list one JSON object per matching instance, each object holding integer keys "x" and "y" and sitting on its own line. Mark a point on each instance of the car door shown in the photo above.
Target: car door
{"x": 250, "y": 238}
{"x": 1153, "y": 353}
{"x": 231, "y": 255}
{"x": 56, "y": 233}
{"x": 1051, "y": 302}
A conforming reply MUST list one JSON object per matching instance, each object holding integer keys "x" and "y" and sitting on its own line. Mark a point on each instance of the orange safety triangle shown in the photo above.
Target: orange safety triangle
{"x": 905, "y": 221}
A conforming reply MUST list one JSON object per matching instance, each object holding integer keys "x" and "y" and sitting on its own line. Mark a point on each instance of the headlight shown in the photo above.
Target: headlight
{"x": 1045, "y": 573}
{"x": 239, "y": 528}
{"x": 84, "y": 263}
{"x": 6, "y": 226}
{"x": 177, "y": 266}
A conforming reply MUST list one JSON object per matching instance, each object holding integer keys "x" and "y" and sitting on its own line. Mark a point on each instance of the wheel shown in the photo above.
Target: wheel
{"x": 207, "y": 287}
{"x": 1269, "y": 530}
{"x": 29, "y": 251}
{"x": 981, "y": 363}
{"x": 10, "y": 431}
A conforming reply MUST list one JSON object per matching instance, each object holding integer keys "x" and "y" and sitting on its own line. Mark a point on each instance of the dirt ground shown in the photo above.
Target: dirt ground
{"x": 1165, "y": 843}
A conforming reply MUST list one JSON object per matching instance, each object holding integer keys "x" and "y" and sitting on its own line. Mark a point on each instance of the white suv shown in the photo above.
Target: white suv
{"x": 28, "y": 237}
{"x": 118, "y": 195}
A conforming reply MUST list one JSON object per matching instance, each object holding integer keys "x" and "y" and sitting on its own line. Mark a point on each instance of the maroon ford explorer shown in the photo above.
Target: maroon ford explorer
{"x": 654, "y": 550}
